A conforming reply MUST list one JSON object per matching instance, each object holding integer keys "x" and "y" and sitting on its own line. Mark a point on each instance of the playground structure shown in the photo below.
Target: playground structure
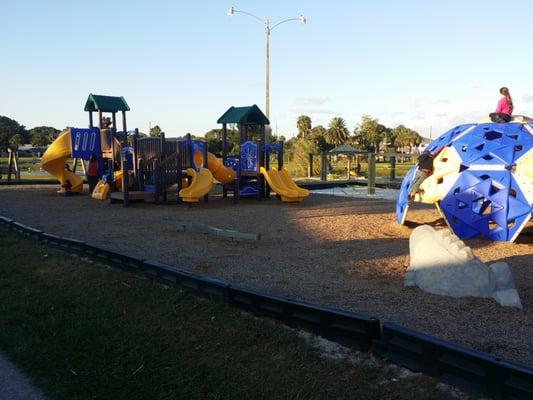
{"x": 482, "y": 183}
{"x": 103, "y": 142}
{"x": 156, "y": 165}
{"x": 254, "y": 175}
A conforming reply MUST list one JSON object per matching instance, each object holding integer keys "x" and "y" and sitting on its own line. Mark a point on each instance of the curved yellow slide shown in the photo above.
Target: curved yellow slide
{"x": 54, "y": 159}
{"x": 220, "y": 172}
{"x": 286, "y": 178}
{"x": 201, "y": 184}
{"x": 280, "y": 184}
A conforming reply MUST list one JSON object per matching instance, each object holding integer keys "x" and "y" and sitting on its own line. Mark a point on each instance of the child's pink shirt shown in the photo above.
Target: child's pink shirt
{"x": 503, "y": 106}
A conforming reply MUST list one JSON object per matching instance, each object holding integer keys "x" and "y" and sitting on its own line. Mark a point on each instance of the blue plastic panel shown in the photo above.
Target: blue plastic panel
{"x": 232, "y": 162}
{"x": 403, "y": 197}
{"x": 447, "y": 137}
{"x": 488, "y": 203}
{"x": 249, "y": 157}
{"x": 249, "y": 189}
{"x": 85, "y": 142}
{"x": 494, "y": 144}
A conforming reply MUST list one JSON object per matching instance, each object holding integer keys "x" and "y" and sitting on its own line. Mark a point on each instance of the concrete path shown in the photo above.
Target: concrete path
{"x": 14, "y": 385}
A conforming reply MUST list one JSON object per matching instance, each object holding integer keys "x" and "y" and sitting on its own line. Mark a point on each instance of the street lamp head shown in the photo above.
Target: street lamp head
{"x": 302, "y": 19}
{"x": 231, "y": 11}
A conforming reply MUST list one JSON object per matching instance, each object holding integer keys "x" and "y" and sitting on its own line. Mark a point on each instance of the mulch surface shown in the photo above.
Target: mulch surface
{"x": 340, "y": 252}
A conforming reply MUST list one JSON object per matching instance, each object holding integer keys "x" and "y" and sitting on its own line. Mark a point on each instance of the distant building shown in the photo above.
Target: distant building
{"x": 27, "y": 150}
{"x": 422, "y": 146}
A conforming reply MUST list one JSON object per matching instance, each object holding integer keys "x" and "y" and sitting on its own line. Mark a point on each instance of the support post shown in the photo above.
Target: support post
{"x": 112, "y": 133}
{"x": 349, "y": 167}
{"x": 324, "y": 166}
{"x": 267, "y": 68}
{"x": 242, "y": 133}
{"x": 392, "y": 168}
{"x": 9, "y": 164}
{"x": 16, "y": 164}
{"x": 280, "y": 155}
{"x": 224, "y": 142}
{"x": 135, "y": 159}
{"x": 90, "y": 119}
{"x": 124, "y": 165}
{"x": 371, "y": 173}
{"x": 261, "y": 163}
{"x": 204, "y": 155}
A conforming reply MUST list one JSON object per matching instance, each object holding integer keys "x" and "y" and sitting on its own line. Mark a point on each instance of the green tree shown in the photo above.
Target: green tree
{"x": 318, "y": 135}
{"x": 304, "y": 126}
{"x": 337, "y": 132}
{"x": 214, "y": 141}
{"x": 42, "y": 135}
{"x": 408, "y": 138}
{"x": 300, "y": 149}
{"x": 16, "y": 141}
{"x": 9, "y": 128}
{"x": 155, "y": 131}
{"x": 370, "y": 133}
{"x": 394, "y": 134}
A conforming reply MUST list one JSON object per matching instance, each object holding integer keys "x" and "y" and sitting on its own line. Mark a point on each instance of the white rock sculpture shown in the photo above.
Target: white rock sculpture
{"x": 442, "y": 264}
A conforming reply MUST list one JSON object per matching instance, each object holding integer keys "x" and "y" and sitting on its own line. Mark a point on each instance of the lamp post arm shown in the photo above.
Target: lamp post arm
{"x": 249, "y": 14}
{"x": 285, "y": 20}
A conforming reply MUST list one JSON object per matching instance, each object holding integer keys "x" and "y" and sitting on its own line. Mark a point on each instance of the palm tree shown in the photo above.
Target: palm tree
{"x": 337, "y": 132}
{"x": 304, "y": 126}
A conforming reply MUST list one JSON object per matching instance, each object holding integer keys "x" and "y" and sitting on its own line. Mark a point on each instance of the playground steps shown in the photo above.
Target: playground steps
{"x": 132, "y": 196}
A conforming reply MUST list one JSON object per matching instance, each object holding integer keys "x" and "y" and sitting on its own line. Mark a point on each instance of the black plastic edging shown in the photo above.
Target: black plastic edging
{"x": 345, "y": 327}
{"x": 458, "y": 365}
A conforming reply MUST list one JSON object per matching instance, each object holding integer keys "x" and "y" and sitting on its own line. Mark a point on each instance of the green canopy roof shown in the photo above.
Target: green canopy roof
{"x": 250, "y": 115}
{"x": 96, "y": 102}
{"x": 344, "y": 148}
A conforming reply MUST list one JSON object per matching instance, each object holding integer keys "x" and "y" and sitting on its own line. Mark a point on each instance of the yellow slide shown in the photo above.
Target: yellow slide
{"x": 54, "y": 159}
{"x": 286, "y": 178}
{"x": 201, "y": 184}
{"x": 101, "y": 191}
{"x": 282, "y": 184}
{"x": 220, "y": 172}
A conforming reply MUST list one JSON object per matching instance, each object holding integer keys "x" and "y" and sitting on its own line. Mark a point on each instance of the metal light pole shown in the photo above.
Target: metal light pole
{"x": 268, "y": 29}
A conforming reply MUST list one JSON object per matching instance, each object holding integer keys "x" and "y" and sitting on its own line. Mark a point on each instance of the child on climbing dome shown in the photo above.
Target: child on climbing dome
{"x": 504, "y": 109}
{"x": 425, "y": 169}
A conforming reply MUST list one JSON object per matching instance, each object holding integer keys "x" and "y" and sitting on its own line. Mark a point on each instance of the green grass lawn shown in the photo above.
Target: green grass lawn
{"x": 30, "y": 169}
{"x": 382, "y": 169}
{"x": 86, "y": 331}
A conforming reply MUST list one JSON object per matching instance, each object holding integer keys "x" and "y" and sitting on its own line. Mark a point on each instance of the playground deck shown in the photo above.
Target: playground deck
{"x": 334, "y": 251}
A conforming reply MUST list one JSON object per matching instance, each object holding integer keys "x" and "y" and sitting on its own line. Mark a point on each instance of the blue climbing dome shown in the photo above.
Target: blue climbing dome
{"x": 482, "y": 181}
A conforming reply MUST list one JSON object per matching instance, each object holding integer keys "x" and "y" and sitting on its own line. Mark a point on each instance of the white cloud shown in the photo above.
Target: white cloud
{"x": 440, "y": 101}
{"x": 311, "y": 101}
{"x": 312, "y": 111}
{"x": 527, "y": 98}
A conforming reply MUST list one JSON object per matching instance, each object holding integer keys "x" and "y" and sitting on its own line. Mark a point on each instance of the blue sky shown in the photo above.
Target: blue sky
{"x": 182, "y": 64}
